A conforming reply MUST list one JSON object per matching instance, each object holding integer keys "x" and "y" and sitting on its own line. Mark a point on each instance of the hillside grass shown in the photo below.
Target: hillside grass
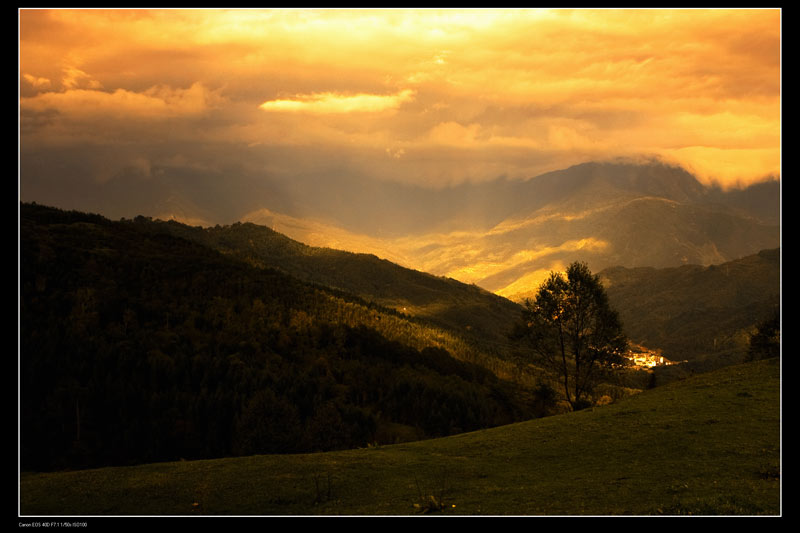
{"x": 708, "y": 445}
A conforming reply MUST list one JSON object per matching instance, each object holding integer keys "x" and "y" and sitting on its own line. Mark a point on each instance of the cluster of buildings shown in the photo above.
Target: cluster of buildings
{"x": 642, "y": 357}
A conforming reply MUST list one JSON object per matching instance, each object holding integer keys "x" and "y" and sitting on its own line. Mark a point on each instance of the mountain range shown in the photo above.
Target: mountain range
{"x": 144, "y": 340}
{"x": 506, "y": 236}
{"x": 690, "y": 312}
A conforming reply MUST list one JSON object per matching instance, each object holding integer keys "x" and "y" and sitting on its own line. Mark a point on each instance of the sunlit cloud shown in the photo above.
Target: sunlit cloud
{"x": 738, "y": 165}
{"x": 339, "y": 103}
{"x": 75, "y": 78}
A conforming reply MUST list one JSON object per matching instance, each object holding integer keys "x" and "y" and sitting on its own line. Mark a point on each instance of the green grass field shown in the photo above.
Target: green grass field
{"x": 709, "y": 445}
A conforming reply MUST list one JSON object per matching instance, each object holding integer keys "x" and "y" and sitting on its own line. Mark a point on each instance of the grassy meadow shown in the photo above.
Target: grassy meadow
{"x": 708, "y": 445}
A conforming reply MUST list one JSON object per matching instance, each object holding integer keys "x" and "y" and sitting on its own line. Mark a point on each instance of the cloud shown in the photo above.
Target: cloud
{"x": 396, "y": 153}
{"x": 454, "y": 134}
{"x": 36, "y": 82}
{"x": 455, "y": 94}
{"x": 155, "y": 102}
{"x": 726, "y": 167}
{"x": 325, "y": 103}
{"x": 75, "y": 78}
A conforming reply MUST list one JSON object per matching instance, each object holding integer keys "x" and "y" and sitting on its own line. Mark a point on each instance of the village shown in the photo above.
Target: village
{"x": 643, "y": 357}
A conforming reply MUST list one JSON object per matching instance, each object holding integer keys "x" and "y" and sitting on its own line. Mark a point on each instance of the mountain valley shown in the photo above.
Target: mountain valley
{"x": 508, "y": 236}
{"x": 241, "y": 325}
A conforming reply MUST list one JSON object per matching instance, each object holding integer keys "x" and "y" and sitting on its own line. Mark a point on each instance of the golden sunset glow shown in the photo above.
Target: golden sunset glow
{"x": 250, "y": 235}
{"x": 699, "y": 87}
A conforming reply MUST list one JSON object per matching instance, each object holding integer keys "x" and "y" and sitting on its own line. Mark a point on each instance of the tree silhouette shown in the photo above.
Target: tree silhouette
{"x": 573, "y": 331}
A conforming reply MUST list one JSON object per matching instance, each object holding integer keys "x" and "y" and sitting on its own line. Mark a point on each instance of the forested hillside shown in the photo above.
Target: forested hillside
{"x": 139, "y": 346}
{"x": 703, "y": 315}
{"x": 476, "y": 315}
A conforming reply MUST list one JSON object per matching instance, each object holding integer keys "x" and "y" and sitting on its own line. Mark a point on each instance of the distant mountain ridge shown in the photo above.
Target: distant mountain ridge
{"x": 506, "y": 236}
{"x": 399, "y": 209}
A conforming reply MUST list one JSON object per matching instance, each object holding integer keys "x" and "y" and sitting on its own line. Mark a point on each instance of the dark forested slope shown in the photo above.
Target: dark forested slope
{"x": 471, "y": 312}
{"x": 140, "y": 346}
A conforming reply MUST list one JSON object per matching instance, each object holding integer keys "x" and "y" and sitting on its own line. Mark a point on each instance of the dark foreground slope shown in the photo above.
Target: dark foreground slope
{"x": 709, "y": 445}
{"x": 139, "y": 346}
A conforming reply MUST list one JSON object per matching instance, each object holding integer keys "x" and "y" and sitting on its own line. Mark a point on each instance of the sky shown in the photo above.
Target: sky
{"x": 116, "y": 104}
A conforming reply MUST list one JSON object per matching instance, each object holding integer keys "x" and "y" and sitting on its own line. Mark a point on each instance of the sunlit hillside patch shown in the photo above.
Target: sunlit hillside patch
{"x": 481, "y": 270}
{"x": 323, "y": 235}
{"x": 526, "y": 286}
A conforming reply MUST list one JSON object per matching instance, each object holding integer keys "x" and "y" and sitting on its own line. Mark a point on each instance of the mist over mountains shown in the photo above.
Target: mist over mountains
{"x": 505, "y": 236}
{"x": 380, "y": 208}
{"x": 363, "y": 205}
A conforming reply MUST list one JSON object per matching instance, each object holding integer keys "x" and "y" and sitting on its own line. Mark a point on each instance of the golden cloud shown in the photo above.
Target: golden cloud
{"x": 36, "y": 81}
{"x": 700, "y": 86}
{"x": 339, "y": 103}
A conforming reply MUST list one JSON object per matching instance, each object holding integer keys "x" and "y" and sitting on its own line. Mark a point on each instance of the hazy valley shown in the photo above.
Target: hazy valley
{"x": 506, "y": 236}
